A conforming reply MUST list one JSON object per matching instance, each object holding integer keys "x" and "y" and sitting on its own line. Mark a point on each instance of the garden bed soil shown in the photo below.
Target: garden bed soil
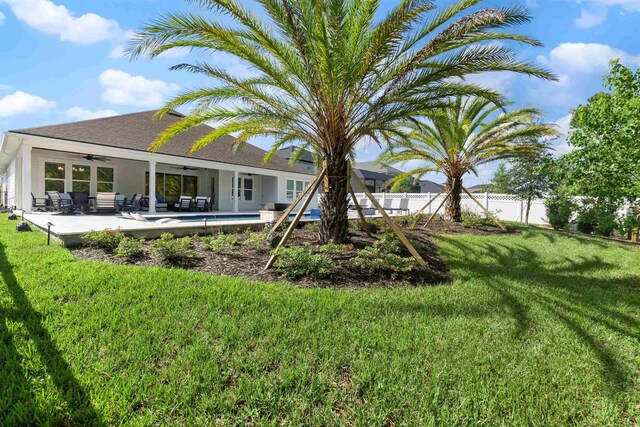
{"x": 248, "y": 261}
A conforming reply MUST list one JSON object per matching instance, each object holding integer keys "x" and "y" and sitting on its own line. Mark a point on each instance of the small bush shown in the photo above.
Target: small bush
{"x": 384, "y": 257}
{"x": 627, "y": 224}
{"x": 298, "y": 262}
{"x": 473, "y": 220}
{"x": 170, "y": 249}
{"x": 374, "y": 259}
{"x": 559, "y": 211}
{"x": 255, "y": 239}
{"x": 220, "y": 243}
{"x": 334, "y": 248}
{"x": 107, "y": 239}
{"x": 607, "y": 224}
{"x": 129, "y": 249}
{"x": 417, "y": 218}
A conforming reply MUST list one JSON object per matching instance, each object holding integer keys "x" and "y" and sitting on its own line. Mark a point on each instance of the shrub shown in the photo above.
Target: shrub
{"x": 628, "y": 223}
{"x": 220, "y": 243}
{"x": 129, "y": 248}
{"x": 473, "y": 220}
{"x": 417, "y": 218}
{"x": 559, "y": 210}
{"x": 170, "y": 249}
{"x": 107, "y": 239}
{"x": 334, "y": 248}
{"x": 255, "y": 239}
{"x": 374, "y": 259}
{"x": 383, "y": 257}
{"x": 594, "y": 217}
{"x": 607, "y": 223}
{"x": 297, "y": 262}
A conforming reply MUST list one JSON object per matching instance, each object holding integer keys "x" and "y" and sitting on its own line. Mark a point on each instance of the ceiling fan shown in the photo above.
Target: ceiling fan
{"x": 92, "y": 157}
{"x": 186, "y": 168}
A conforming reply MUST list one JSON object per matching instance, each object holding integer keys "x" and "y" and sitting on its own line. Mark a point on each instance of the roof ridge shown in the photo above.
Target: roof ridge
{"x": 173, "y": 112}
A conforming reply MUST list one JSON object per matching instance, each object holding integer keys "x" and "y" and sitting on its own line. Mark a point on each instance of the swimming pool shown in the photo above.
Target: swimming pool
{"x": 211, "y": 217}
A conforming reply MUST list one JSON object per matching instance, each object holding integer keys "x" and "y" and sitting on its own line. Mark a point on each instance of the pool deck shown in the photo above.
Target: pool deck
{"x": 69, "y": 228}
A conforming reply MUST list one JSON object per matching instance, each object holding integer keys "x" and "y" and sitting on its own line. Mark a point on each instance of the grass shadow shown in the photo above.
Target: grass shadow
{"x": 81, "y": 410}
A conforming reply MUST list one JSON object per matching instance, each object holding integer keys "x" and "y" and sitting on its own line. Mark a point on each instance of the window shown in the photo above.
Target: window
{"x": 81, "y": 178}
{"x": 244, "y": 189}
{"x": 54, "y": 174}
{"x": 295, "y": 188}
{"x": 105, "y": 180}
{"x": 169, "y": 187}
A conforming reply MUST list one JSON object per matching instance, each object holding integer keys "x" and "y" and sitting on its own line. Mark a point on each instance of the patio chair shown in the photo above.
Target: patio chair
{"x": 61, "y": 202}
{"x": 121, "y": 201}
{"x": 160, "y": 206}
{"x": 184, "y": 202}
{"x": 403, "y": 206}
{"x": 104, "y": 202}
{"x": 38, "y": 203}
{"x": 134, "y": 203}
{"x": 81, "y": 200}
{"x": 387, "y": 205}
{"x": 203, "y": 204}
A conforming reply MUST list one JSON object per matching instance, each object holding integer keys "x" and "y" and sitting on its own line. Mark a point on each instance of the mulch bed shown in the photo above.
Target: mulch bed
{"x": 248, "y": 262}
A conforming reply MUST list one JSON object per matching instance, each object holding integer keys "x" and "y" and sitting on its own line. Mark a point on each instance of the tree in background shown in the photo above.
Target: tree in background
{"x": 500, "y": 180}
{"x": 605, "y": 162}
{"x": 458, "y": 138}
{"x": 531, "y": 177}
{"x": 331, "y": 74}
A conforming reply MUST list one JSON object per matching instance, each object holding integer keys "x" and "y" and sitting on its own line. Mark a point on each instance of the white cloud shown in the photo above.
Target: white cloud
{"x": 5, "y": 87}
{"x": 586, "y": 57}
{"x": 122, "y": 88}
{"x": 591, "y": 18}
{"x": 564, "y": 125}
{"x": 176, "y": 52}
{"x": 501, "y": 82}
{"x": 22, "y": 103}
{"x": 2, "y": 17}
{"x": 53, "y": 19}
{"x": 117, "y": 52}
{"x": 79, "y": 113}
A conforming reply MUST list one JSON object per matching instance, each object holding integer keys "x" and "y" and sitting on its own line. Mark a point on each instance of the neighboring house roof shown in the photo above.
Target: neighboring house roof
{"x": 478, "y": 188}
{"x": 136, "y": 131}
{"x": 427, "y": 186}
{"x": 377, "y": 167}
{"x": 367, "y": 174}
{"x": 287, "y": 153}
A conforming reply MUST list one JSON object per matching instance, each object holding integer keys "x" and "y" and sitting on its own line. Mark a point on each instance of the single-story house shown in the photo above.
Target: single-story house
{"x": 305, "y": 161}
{"x": 376, "y": 176}
{"x": 111, "y": 155}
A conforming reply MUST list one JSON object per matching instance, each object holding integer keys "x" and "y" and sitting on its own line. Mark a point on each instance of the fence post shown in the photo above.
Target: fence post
{"x": 429, "y": 198}
{"x": 486, "y": 200}
{"x": 521, "y": 208}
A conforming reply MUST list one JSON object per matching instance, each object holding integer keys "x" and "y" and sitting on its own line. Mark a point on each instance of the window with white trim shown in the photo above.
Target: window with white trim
{"x": 81, "y": 178}
{"x": 105, "y": 179}
{"x": 295, "y": 188}
{"x": 54, "y": 176}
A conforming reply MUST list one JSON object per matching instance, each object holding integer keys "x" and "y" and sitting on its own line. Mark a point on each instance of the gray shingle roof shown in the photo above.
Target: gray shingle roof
{"x": 136, "y": 131}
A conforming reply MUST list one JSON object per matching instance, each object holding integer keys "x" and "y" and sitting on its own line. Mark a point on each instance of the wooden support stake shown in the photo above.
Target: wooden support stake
{"x": 433, "y": 215}
{"x": 296, "y": 220}
{"x": 430, "y": 201}
{"x": 485, "y": 210}
{"x": 287, "y": 212}
{"x": 390, "y": 221}
{"x": 358, "y": 208}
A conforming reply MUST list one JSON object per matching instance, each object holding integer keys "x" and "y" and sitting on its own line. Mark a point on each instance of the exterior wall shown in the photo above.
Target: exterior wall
{"x": 9, "y": 184}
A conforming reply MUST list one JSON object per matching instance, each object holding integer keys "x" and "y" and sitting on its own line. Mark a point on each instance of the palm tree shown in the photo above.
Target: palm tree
{"x": 330, "y": 74}
{"x": 458, "y": 138}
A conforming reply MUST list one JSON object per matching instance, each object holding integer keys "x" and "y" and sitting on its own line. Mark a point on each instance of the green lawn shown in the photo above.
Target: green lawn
{"x": 540, "y": 328}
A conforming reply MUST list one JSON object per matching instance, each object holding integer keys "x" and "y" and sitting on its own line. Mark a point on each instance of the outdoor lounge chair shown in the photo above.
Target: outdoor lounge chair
{"x": 38, "y": 203}
{"x": 81, "y": 199}
{"x": 104, "y": 202}
{"x": 61, "y": 202}
{"x": 398, "y": 205}
{"x": 160, "y": 206}
{"x": 121, "y": 201}
{"x": 134, "y": 203}
{"x": 184, "y": 202}
{"x": 203, "y": 204}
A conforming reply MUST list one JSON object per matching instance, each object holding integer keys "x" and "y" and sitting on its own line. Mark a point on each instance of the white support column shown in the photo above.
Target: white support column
{"x": 25, "y": 152}
{"x": 152, "y": 186}
{"x": 236, "y": 175}
{"x": 486, "y": 200}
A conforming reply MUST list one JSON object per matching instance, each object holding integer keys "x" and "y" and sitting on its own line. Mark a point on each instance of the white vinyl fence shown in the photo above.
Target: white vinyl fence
{"x": 506, "y": 207}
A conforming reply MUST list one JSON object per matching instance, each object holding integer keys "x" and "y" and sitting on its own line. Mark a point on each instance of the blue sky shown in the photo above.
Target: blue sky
{"x": 61, "y": 60}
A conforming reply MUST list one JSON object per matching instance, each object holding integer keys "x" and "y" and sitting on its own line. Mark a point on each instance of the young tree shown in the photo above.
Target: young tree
{"x": 605, "y": 162}
{"x": 530, "y": 177}
{"x": 460, "y": 137}
{"x": 330, "y": 74}
{"x": 500, "y": 180}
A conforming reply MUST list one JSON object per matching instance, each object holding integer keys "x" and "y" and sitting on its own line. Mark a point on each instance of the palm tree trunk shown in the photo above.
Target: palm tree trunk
{"x": 452, "y": 209}
{"x": 334, "y": 223}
